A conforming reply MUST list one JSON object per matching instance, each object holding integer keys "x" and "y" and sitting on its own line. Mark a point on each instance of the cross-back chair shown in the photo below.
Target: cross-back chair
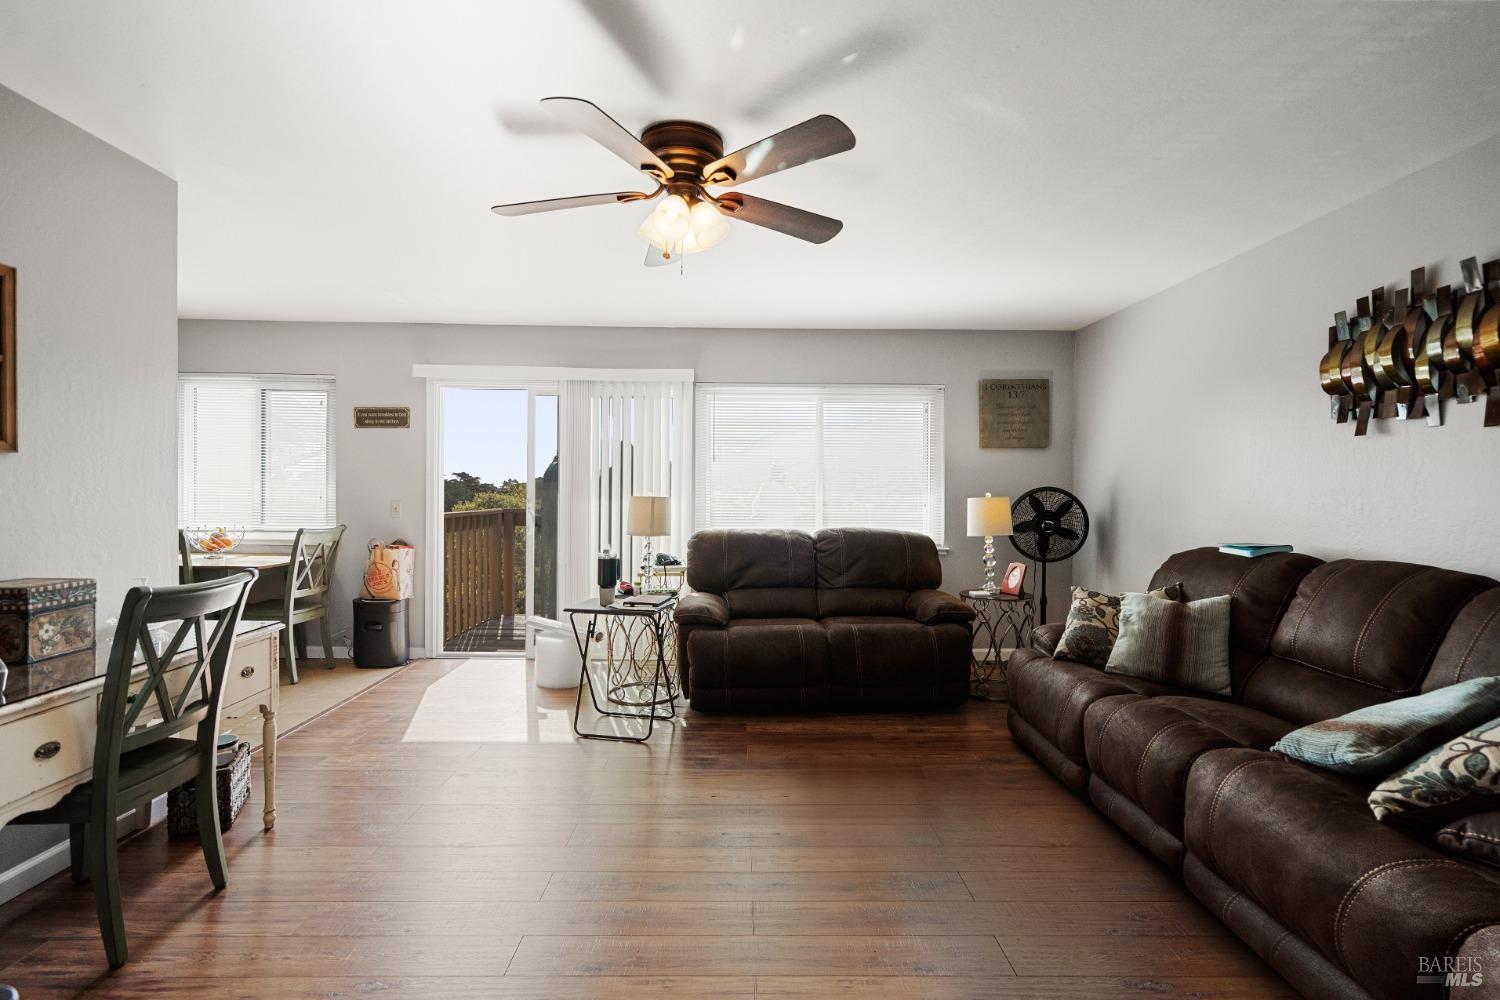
{"x": 184, "y": 566}
{"x": 154, "y": 739}
{"x": 309, "y": 579}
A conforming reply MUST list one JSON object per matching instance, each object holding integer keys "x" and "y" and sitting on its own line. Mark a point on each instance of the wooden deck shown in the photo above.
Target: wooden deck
{"x": 506, "y": 634}
{"x": 444, "y": 836}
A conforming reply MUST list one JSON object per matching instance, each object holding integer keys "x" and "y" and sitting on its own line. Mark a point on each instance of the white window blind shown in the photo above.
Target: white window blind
{"x": 256, "y": 451}
{"x": 820, "y": 456}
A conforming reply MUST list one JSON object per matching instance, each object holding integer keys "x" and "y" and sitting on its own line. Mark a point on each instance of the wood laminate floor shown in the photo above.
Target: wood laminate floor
{"x": 444, "y": 836}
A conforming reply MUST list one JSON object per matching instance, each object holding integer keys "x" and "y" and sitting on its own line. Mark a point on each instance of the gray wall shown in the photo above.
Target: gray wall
{"x": 373, "y": 365}
{"x": 92, "y": 491}
{"x": 1200, "y": 419}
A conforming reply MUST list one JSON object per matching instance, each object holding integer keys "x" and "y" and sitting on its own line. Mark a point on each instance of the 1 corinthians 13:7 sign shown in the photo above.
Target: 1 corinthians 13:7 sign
{"x": 1015, "y": 412}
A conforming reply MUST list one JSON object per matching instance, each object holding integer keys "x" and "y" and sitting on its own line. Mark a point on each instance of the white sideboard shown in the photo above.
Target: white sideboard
{"x": 47, "y": 738}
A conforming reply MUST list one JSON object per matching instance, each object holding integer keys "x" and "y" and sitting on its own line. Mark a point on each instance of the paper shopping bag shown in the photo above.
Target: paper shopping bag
{"x": 391, "y": 572}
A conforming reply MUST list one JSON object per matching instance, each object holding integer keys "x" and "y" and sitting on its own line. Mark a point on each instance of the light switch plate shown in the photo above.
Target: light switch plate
{"x": 395, "y": 508}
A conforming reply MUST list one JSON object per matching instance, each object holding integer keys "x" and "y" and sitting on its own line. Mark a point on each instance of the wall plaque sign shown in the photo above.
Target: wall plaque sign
{"x": 382, "y": 416}
{"x": 1015, "y": 412}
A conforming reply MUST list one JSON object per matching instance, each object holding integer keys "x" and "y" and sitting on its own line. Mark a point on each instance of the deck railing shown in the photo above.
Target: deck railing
{"x": 479, "y": 567}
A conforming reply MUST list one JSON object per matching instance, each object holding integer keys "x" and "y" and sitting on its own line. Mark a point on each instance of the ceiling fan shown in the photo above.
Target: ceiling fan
{"x": 685, "y": 159}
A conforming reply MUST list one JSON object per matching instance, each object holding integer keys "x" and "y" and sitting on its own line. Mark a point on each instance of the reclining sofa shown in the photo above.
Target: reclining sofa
{"x": 1289, "y": 856}
{"x": 784, "y": 621}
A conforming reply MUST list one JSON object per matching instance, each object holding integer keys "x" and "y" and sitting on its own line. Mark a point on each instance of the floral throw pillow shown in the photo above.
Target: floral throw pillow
{"x": 1462, "y": 775}
{"x": 1093, "y": 624}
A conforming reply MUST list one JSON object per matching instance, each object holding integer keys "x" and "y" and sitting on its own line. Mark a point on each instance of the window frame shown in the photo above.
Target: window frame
{"x": 262, "y": 383}
{"x": 823, "y": 392}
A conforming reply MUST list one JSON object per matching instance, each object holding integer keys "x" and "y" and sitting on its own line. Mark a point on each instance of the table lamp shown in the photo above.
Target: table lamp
{"x": 650, "y": 517}
{"x": 989, "y": 516}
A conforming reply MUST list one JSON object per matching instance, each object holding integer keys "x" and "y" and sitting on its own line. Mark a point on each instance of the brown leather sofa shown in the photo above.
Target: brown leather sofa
{"x": 783, "y": 621}
{"x": 1288, "y": 856}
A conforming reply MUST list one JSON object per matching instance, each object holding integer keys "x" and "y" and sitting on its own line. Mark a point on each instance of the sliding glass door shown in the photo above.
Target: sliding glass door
{"x": 496, "y": 515}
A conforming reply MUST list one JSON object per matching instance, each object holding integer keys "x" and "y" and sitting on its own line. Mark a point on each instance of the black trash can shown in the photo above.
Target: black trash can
{"x": 381, "y": 638}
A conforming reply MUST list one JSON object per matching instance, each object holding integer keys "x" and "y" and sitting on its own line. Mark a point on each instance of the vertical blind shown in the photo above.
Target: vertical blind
{"x": 626, "y": 439}
{"x": 256, "y": 451}
{"x": 820, "y": 456}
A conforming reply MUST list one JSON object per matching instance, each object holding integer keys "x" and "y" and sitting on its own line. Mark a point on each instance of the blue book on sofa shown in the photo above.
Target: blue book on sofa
{"x": 1251, "y": 550}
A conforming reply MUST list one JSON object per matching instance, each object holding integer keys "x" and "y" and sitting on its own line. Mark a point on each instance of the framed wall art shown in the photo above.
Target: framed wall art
{"x": 1015, "y": 412}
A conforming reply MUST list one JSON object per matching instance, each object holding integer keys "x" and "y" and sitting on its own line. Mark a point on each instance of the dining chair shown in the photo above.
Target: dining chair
{"x": 184, "y": 567}
{"x": 152, "y": 740}
{"x": 309, "y": 578}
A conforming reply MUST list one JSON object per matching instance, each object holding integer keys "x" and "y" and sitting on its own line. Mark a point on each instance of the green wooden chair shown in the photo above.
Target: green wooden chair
{"x": 152, "y": 741}
{"x": 309, "y": 578}
{"x": 185, "y": 567}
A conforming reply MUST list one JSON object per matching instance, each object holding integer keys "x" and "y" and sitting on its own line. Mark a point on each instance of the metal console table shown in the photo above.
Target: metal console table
{"x": 1003, "y": 620}
{"x": 638, "y": 680}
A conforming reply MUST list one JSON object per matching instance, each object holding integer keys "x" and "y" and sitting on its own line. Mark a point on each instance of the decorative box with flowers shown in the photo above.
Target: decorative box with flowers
{"x": 42, "y": 618}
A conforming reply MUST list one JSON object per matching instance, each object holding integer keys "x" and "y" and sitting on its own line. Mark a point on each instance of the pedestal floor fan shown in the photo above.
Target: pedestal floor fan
{"x": 1050, "y": 525}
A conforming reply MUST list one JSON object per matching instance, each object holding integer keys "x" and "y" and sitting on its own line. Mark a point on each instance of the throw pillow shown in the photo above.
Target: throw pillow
{"x": 1093, "y": 623}
{"x": 1464, "y": 772}
{"x": 1475, "y": 837}
{"x": 1375, "y": 740}
{"x": 1175, "y": 643}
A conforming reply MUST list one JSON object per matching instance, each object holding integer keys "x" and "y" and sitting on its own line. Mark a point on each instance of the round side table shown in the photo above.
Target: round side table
{"x": 1003, "y": 621}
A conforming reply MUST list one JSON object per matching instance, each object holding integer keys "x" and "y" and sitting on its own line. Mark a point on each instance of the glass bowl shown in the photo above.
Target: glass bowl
{"x": 215, "y": 542}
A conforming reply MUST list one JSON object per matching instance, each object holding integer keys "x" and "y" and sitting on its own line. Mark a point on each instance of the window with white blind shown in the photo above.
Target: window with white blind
{"x": 820, "y": 456}
{"x": 256, "y": 451}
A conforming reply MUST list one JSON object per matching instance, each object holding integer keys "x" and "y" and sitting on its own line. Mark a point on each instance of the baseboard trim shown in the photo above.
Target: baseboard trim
{"x": 347, "y": 653}
{"x": 33, "y": 871}
{"x": 40, "y": 867}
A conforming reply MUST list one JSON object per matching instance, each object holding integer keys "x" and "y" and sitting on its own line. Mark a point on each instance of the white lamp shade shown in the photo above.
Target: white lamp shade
{"x": 650, "y": 516}
{"x": 989, "y": 516}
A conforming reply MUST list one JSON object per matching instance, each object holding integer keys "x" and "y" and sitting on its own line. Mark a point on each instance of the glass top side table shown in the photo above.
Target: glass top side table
{"x": 1003, "y": 621}
{"x": 643, "y": 655}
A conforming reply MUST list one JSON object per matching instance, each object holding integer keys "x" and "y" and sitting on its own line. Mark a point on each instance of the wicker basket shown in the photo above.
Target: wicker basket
{"x": 234, "y": 791}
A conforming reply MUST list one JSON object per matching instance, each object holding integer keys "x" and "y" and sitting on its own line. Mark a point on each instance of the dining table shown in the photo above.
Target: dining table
{"x": 242, "y": 560}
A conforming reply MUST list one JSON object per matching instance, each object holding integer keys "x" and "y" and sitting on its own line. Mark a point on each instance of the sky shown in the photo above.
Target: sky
{"x": 484, "y": 433}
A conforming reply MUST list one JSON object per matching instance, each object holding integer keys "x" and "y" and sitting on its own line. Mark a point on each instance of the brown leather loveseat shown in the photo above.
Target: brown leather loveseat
{"x": 848, "y": 618}
{"x": 1290, "y": 857}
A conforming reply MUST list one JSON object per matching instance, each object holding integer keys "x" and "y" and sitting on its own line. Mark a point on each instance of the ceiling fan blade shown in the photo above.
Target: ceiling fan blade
{"x": 528, "y": 121}
{"x": 804, "y": 225}
{"x": 840, "y": 61}
{"x": 636, "y": 37}
{"x": 654, "y": 256}
{"x": 588, "y": 118}
{"x": 579, "y": 201}
{"x": 812, "y": 140}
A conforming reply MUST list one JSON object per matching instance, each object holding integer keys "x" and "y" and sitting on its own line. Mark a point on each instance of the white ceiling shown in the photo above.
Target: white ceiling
{"x": 1019, "y": 165}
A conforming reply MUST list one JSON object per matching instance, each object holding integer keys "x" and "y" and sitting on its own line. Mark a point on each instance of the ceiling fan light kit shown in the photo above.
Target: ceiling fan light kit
{"x": 685, "y": 159}
{"x": 674, "y": 227}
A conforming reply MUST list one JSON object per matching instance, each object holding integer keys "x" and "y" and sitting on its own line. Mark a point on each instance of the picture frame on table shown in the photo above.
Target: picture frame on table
{"x": 1014, "y": 579}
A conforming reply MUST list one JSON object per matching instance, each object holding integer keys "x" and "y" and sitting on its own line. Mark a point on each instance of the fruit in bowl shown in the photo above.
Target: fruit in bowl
{"x": 215, "y": 541}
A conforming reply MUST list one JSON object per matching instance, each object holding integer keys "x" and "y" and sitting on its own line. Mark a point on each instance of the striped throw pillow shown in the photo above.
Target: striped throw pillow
{"x": 1174, "y": 643}
{"x": 1094, "y": 623}
{"x": 1375, "y": 740}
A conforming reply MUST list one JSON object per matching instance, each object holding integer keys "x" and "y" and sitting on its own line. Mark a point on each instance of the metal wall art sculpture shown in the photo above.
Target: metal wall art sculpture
{"x": 1401, "y": 358}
